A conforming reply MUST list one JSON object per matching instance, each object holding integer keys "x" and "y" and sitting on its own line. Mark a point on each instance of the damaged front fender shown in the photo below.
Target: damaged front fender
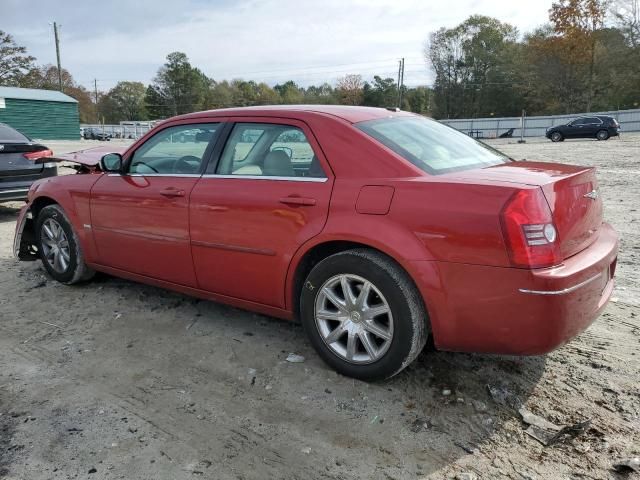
{"x": 24, "y": 242}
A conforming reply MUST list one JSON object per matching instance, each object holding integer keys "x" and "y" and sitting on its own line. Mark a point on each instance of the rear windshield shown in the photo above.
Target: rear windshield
{"x": 430, "y": 145}
{"x": 9, "y": 135}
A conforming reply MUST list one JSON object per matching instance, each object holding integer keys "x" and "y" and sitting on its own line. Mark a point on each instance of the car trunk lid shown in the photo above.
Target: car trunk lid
{"x": 13, "y": 161}
{"x": 571, "y": 192}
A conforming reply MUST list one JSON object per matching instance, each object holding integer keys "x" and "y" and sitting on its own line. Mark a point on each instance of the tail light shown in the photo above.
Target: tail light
{"x": 531, "y": 236}
{"x": 38, "y": 154}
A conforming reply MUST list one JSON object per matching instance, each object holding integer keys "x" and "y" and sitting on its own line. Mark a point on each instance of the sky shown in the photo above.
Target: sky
{"x": 309, "y": 41}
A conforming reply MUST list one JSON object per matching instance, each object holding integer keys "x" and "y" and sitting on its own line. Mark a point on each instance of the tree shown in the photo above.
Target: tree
{"x": 46, "y": 77}
{"x": 320, "y": 94}
{"x": 127, "y": 100}
{"x": 290, "y": 93}
{"x": 14, "y": 61}
{"x": 416, "y": 100}
{"x": 472, "y": 64}
{"x": 627, "y": 16}
{"x": 156, "y": 104}
{"x": 383, "y": 92}
{"x": 349, "y": 89}
{"x": 444, "y": 53}
{"x": 177, "y": 88}
{"x": 576, "y": 23}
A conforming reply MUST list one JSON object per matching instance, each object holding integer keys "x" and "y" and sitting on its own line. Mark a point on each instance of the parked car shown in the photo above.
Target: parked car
{"x": 387, "y": 229}
{"x": 601, "y": 127}
{"x": 92, "y": 133}
{"x": 22, "y": 162}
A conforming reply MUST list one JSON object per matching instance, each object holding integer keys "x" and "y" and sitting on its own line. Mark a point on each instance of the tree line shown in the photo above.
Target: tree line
{"x": 586, "y": 58}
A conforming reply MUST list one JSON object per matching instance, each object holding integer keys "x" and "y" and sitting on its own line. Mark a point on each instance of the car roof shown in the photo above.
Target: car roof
{"x": 594, "y": 115}
{"x": 350, "y": 114}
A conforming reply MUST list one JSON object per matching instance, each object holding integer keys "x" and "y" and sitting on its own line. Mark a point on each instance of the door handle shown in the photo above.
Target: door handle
{"x": 300, "y": 201}
{"x": 172, "y": 192}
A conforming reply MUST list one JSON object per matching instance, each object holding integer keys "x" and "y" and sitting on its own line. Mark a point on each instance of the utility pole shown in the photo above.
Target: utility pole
{"x": 95, "y": 89}
{"x": 401, "y": 85}
{"x": 55, "y": 34}
{"x": 399, "y": 73}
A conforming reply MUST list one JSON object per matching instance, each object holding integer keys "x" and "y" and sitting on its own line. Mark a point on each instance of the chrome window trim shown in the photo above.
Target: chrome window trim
{"x": 213, "y": 175}
{"x": 563, "y": 291}
{"x": 180, "y": 175}
{"x": 266, "y": 177}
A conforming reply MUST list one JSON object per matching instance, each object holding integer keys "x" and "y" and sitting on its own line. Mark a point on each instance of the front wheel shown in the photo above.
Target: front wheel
{"x": 59, "y": 247}
{"x": 556, "y": 137}
{"x": 363, "y": 314}
{"x": 602, "y": 135}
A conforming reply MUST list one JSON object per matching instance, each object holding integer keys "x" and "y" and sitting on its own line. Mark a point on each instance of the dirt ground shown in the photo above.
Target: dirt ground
{"x": 118, "y": 380}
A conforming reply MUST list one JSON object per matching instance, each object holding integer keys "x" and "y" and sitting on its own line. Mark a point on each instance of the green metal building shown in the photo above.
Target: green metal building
{"x": 40, "y": 114}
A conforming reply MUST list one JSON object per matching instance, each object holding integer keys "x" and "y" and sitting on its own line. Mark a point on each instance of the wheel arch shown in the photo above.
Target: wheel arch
{"x": 40, "y": 202}
{"x": 75, "y": 206}
{"x": 312, "y": 253}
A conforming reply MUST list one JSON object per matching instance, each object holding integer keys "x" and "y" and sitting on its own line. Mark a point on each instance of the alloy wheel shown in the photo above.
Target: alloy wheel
{"x": 55, "y": 245}
{"x": 354, "y": 319}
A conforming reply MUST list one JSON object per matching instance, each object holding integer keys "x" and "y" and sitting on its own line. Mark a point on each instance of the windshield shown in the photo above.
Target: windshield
{"x": 430, "y": 145}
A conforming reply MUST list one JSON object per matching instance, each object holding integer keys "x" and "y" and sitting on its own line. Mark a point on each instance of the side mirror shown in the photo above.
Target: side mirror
{"x": 111, "y": 162}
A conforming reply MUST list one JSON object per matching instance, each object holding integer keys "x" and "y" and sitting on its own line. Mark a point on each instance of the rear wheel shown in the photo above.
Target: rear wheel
{"x": 556, "y": 137}
{"x": 602, "y": 135}
{"x": 363, "y": 314}
{"x": 59, "y": 247}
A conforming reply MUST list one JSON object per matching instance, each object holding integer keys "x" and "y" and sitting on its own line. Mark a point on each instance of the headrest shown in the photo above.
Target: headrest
{"x": 277, "y": 164}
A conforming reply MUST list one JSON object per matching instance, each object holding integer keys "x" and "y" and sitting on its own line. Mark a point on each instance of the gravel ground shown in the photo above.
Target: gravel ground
{"x": 114, "y": 379}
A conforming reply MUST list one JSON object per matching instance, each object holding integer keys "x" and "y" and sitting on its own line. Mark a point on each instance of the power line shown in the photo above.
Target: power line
{"x": 356, "y": 67}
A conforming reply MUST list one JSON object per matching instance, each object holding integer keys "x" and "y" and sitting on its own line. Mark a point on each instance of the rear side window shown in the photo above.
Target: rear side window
{"x": 269, "y": 150}
{"x": 9, "y": 135}
{"x": 431, "y": 146}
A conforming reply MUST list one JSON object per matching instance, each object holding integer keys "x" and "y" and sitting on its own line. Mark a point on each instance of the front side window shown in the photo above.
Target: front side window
{"x": 175, "y": 150}
{"x": 431, "y": 146}
{"x": 579, "y": 121}
{"x": 269, "y": 150}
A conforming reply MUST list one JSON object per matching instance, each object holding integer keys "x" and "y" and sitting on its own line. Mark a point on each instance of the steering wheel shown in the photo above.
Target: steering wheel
{"x": 185, "y": 165}
{"x": 146, "y": 165}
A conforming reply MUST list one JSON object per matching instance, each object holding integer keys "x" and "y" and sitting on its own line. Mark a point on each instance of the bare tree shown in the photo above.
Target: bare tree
{"x": 349, "y": 89}
{"x": 627, "y": 16}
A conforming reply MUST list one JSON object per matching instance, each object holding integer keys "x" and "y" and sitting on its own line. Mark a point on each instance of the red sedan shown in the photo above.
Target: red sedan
{"x": 376, "y": 229}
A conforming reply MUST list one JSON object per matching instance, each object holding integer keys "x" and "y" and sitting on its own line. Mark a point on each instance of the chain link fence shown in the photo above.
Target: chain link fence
{"x": 115, "y": 131}
{"x": 629, "y": 121}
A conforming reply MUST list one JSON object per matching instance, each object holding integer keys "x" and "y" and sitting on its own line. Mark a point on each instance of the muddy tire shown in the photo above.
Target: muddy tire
{"x": 363, "y": 314}
{"x": 59, "y": 248}
{"x": 602, "y": 135}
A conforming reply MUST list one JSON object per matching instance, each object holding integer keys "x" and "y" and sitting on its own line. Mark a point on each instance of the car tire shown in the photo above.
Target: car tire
{"x": 602, "y": 135}
{"x": 59, "y": 248}
{"x": 368, "y": 337}
{"x": 557, "y": 137}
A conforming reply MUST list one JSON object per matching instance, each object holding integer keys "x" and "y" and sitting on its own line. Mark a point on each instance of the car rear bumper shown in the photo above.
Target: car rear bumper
{"x": 515, "y": 311}
{"x": 16, "y": 188}
{"x": 13, "y": 194}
